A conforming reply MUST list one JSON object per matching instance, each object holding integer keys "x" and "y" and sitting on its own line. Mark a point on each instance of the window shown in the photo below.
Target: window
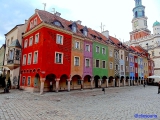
{"x": 35, "y": 60}
{"x": 29, "y": 80}
{"x": 30, "y": 41}
{"x": 85, "y": 33}
{"x": 77, "y": 45}
{"x": 29, "y": 58}
{"x": 110, "y": 53}
{"x": 127, "y": 70}
{"x": 121, "y": 57}
{"x": 97, "y": 63}
{"x": 111, "y": 65}
{"x": 23, "y": 80}
{"x": 121, "y": 67}
{"x": 103, "y": 51}
{"x": 59, "y": 39}
{"x": 35, "y": 21}
{"x": 24, "y": 59}
{"x": 136, "y": 70}
{"x": 103, "y": 64}
{"x": 76, "y": 61}
{"x": 31, "y": 24}
{"x": 116, "y": 55}
{"x": 11, "y": 53}
{"x": 126, "y": 58}
{"x": 87, "y": 48}
{"x": 37, "y": 38}
{"x": 97, "y": 49}
{"x": 57, "y": 23}
{"x": 116, "y": 67}
{"x": 25, "y": 43}
{"x": 74, "y": 29}
{"x": 59, "y": 58}
{"x": 87, "y": 63}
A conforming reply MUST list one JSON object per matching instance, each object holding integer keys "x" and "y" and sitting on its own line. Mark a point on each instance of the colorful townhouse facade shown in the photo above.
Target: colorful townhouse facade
{"x": 57, "y": 54}
{"x": 2, "y": 55}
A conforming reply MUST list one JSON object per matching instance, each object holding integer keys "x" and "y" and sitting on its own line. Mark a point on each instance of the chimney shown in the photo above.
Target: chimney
{"x": 106, "y": 33}
{"x": 79, "y": 22}
{"x": 36, "y": 10}
{"x": 58, "y": 14}
{"x": 26, "y": 21}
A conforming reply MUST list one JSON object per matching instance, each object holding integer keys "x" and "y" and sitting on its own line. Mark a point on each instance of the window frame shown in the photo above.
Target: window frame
{"x": 25, "y": 43}
{"x": 88, "y": 48}
{"x": 75, "y": 61}
{"x": 29, "y": 81}
{"x": 30, "y": 41}
{"x": 35, "y": 38}
{"x": 104, "y": 50}
{"x": 104, "y": 64}
{"x": 35, "y": 23}
{"x": 111, "y": 65}
{"x": 98, "y": 49}
{"x": 110, "y": 53}
{"x": 23, "y": 80}
{"x": 86, "y": 62}
{"x": 61, "y": 58}
{"x": 30, "y": 58}
{"x": 96, "y": 63}
{"x": 34, "y": 57}
{"x": 61, "y": 39}
{"x": 76, "y": 44}
{"x": 25, "y": 59}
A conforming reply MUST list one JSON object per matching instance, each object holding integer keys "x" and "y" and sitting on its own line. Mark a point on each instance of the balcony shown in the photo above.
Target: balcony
{"x": 12, "y": 64}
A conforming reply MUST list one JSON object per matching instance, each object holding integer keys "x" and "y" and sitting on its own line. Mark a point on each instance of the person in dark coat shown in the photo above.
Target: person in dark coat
{"x": 159, "y": 87}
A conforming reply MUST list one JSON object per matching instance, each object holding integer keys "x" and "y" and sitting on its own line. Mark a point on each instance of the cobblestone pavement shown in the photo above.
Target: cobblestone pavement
{"x": 117, "y": 104}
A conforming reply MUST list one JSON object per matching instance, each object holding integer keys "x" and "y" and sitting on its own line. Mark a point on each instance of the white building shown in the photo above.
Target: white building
{"x": 140, "y": 34}
{"x": 13, "y": 52}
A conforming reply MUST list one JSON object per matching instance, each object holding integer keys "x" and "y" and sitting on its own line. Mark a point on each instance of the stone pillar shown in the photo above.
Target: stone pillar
{"x": 57, "y": 85}
{"x": 91, "y": 83}
{"x": 124, "y": 84}
{"x": 129, "y": 82}
{"x": 113, "y": 82}
{"x": 119, "y": 83}
{"x": 69, "y": 85}
{"x": 107, "y": 82}
{"x": 42, "y": 85}
{"x": 100, "y": 82}
{"x": 81, "y": 84}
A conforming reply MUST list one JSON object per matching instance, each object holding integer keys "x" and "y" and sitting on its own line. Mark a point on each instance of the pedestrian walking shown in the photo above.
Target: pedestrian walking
{"x": 103, "y": 89}
{"x": 144, "y": 84}
{"x": 51, "y": 87}
{"x": 159, "y": 87}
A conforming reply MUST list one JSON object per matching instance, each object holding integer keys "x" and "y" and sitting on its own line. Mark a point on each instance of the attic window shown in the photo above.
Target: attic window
{"x": 85, "y": 33}
{"x": 100, "y": 38}
{"x": 74, "y": 29}
{"x": 57, "y": 23}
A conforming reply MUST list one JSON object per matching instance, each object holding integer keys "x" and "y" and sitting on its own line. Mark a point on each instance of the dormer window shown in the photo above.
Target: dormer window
{"x": 35, "y": 21}
{"x": 74, "y": 29}
{"x": 57, "y": 23}
{"x": 85, "y": 33}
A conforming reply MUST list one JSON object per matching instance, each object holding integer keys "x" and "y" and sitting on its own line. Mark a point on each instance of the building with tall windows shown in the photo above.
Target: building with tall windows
{"x": 142, "y": 36}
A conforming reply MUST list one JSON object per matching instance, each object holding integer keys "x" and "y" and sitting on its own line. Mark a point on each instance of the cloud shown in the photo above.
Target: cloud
{"x": 116, "y": 15}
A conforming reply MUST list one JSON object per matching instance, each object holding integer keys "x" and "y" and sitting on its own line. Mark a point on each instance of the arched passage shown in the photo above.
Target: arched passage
{"x": 117, "y": 81}
{"x": 127, "y": 80}
{"x": 122, "y": 80}
{"x": 50, "y": 83}
{"x": 87, "y": 81}
{"x": 110, "y": 81}
{"x": 96, "y": 80}
{"x": 63, "y": 82}
{"x": 104, "y": 82}
{"x": 76, "y": 82}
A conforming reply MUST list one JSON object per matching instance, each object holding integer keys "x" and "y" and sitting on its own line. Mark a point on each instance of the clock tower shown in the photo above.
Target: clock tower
{"x": 139, "y": 22}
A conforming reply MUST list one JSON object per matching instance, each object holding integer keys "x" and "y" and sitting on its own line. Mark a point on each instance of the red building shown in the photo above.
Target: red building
{"x": 46, "y": 47}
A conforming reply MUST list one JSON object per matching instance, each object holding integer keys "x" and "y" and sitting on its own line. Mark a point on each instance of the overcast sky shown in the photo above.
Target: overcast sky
{"x": 116, "y": 15}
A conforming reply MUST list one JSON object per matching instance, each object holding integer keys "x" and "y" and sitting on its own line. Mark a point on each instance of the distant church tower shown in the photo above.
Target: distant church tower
{"x": 139, "y": 22}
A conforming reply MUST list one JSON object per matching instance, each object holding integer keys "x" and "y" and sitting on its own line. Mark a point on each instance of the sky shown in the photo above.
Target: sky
{"x": 116, "y": 15}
